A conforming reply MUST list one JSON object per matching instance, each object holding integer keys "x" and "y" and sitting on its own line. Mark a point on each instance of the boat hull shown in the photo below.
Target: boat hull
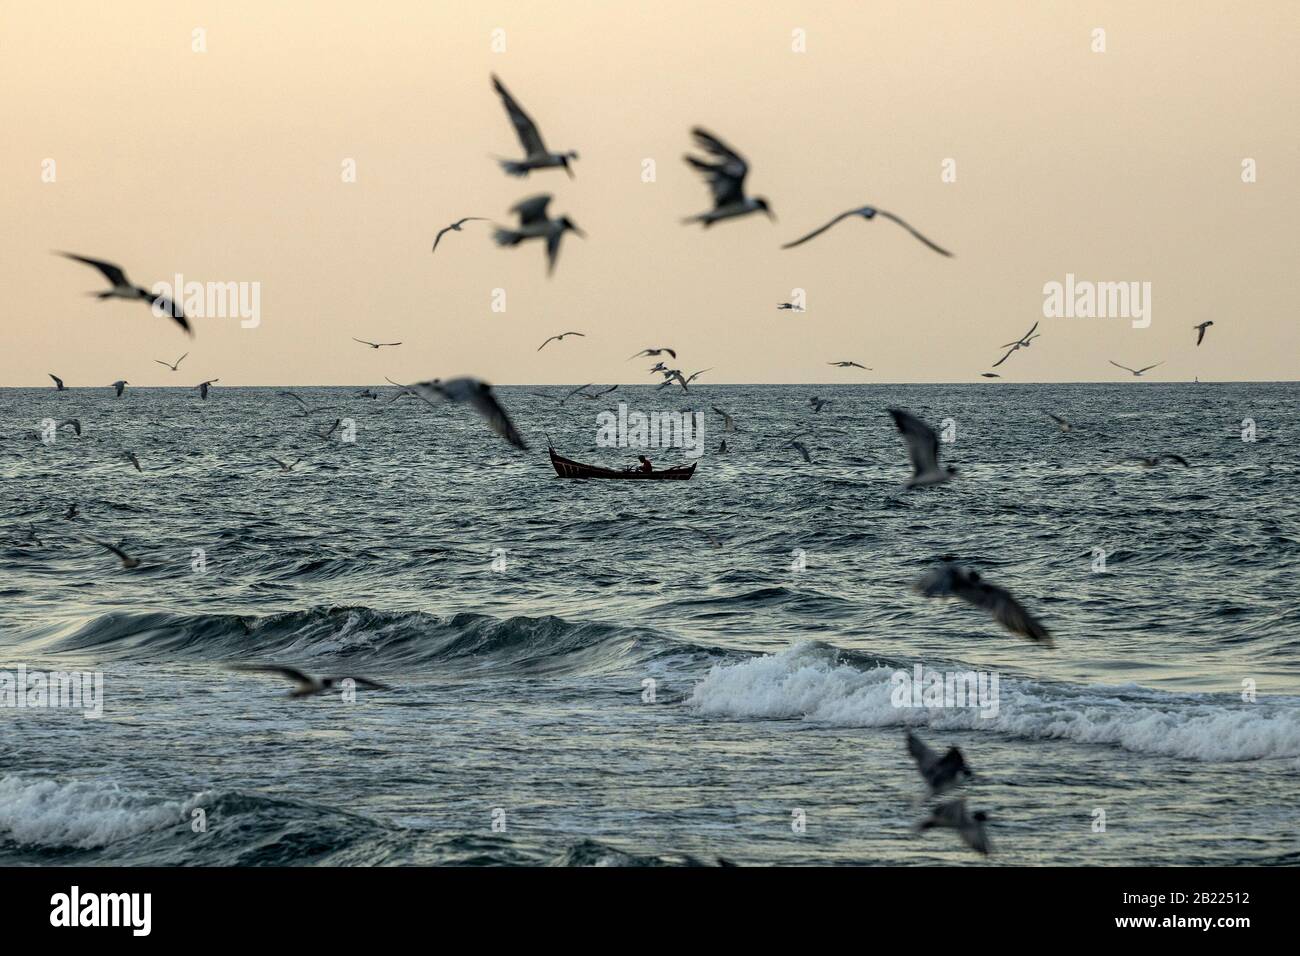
{"x": 567, "y": 468}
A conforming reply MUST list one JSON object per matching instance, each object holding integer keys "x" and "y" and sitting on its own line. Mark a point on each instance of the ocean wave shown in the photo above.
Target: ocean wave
{"x": 809, "y": 681}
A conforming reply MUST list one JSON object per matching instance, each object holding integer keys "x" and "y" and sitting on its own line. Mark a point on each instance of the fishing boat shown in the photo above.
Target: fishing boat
{"x": 567, "y": 468}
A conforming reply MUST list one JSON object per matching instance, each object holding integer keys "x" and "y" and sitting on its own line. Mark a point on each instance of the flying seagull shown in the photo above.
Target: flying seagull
{"x": 120, "y": 386}
{"x": 1024, "y": 340}
{"x": 652, "y": 353}
{"x": 455, "y": 227}
{"x": 788, "y": 307}
{"x": 72, "y": 512}
{"x": 1200, "y": 330}
{"x": 673, "y": 375}
{"x": 306, "y": 409}
{"x": 560, "y": 338}
{"x": 534, "y": 224}
{"x": 595, "y": 395}
{"x": 130, "y": 456}
{"x": 941, "y": 774}
{"x": 325, "y": 435}
{"x": 170, "y": 365}
{"x": 1151, "y": 462}
{"x": 867, "y": 212}
{"x": 74, "y": 422}
{"x": 989, "y": 375}
{"x": 728, "y": 423}
{"x": 58, "y": 382}
{"x": 726, "y": 180}
{"x": 948, "y": 580}
{"x": 203, "y": 387}
{"x": 848, "y": 365}
{"x": 283, "y": 466}
{"x": 1135, "y": 371}
{"x": 818, "y": 403}
{"x": 128, "y": 562}
{"x": 537, "y": 156}
{"x": 479, "y": 397}
{"x": 969, "y": 826}
{"x": 1061, "y": 423}
{"x": 123, "y": 289}
{"x": 801, "y": 448}
{"x": 308, "y": 686}
{"x": 375, "y": 345}
{"x": 922, "y": 449}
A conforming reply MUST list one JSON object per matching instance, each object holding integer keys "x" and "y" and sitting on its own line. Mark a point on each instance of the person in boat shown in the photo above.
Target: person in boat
{"x": 645, "y": 463}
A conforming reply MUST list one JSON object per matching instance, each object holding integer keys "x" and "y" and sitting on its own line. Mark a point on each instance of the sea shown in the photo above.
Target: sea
{"x": 647, "y": 672}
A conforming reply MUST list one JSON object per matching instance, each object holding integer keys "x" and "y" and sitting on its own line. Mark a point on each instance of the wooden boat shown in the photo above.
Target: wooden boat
{"x": 567, "y": 468}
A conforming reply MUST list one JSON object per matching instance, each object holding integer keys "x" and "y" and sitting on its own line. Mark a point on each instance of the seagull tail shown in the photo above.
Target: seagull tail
{"x": 507, "y": 237}
{"x": 514, "y": 168}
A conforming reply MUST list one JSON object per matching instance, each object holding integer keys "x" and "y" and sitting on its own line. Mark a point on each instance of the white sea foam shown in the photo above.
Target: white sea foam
{"x": 804, "y": 681}
{"x": 83, "y": 814}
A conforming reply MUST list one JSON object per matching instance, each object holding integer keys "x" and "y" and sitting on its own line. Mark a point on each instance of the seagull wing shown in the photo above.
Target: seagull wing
{"x": 57, "y": 381}
{"x": 1005, "y": 609}
{"x": 532, "y": 210}
{"x": 727, "y": 176}
{"x": 1178, "y": 458}
{"x": 173, "y": 311}
{"x": 524, "y": 126}
{"x": 553, "y": 338}
{"x": 922, "y": 442}
{"x": 290, "y": 673}
{"x": 438, "y": 237}
{"x": 122, "y": 555}
{"x": 553, "y": 249}
{"x": 1004, "y": 358}
{"x": 486, "y": 404}
{"x": 925, "y": 757}
{"x": 817, "y": 232}
{"x": 892, "y": 218}
{"x": 113, "y": 273}
{"x": 1124, "y": 367}
{"x": 1150, "y": 367}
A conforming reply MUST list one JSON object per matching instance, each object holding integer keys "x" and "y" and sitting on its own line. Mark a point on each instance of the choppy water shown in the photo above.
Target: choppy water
{"x": 522, "y": 689}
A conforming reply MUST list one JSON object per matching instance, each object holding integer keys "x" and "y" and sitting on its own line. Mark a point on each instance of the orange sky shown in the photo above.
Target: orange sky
{"x": 225, "y": 166}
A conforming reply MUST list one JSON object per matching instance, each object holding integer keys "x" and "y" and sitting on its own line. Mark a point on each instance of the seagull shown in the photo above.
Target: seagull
{"x": 479, "y": 396}
{"x": 948, "y": 580}
{"x": 534, "y": 224}
{"x": 537, "y": 156}
{"x": 941, "y": 774}
{"x": 74, "y": 422}
{"x": 306, "y": 409}
{"x": 454, "y": 227}
{"x": 560, "y": 338}
{"x": 722, "y": 448}
{"x": 72, "y": 512}
{"x": 123, "y": 289}
{"x": 658, "y": 367}
{"x": 922, "y": 449}
{"x": 284, "y": 467}
{"x": 867, "y": 212}
{"x": 128, "y": 562}
{"x": 366, "y": 393}
{"x": 325, "y": 435}
{"x": 673, "y": 375}
{"x": 1200, "y": 330}
{"x": 726, "y": 180}
{"x": 375, "y": 345}
{"x": 130, "y": 456}
{"x": 728, "y": 423}
{"x": 989, "y": 375}
{"x": 788, "y": 307}
{"x": 652, "y": 353}
{"x": 120, "y": 385}
{"x": 308, "y": 686}
{"x": 848, "y": 365}
{"x": 203, "y": 387}
{"x": 1024, "y": 340}
{"x": 1061, "y": 423}
{"x": 58, "y": 382}
{"x": 969, "y": 826}
{"x": 694, "y": 375}
{"x": 801, "y": 448}
{"x": 1135, "y": 371}
{"x": 594, "y": 395}
{"x": 712, "y": 539}
{"x": 1152, "y": 462}
{"x": 171, "y": 366}
{"x": 818, "y": 403}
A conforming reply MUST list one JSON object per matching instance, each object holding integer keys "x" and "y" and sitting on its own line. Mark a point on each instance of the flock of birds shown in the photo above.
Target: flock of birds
{"x": 725, "y": 171}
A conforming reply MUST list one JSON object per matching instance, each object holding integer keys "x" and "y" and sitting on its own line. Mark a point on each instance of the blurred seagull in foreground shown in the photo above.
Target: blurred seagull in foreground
{"x": 454, "y": 227}
{"x": 120, "y": 386}
{"x": 726, "y": 179}
{"x": 537, "y": 156}
{"x": 560, "y": 338}
{"x": 1135, "y": 371}
{"x": 941, "y": 774}
{"x": 58, "y": 382}
{"x": 867, "y": 212}
{"x": 948, "y": 580}
{"x": 478, "y": 395}
{"x": 534, "y": 224}
{"x": 308, "y": 686}
{"x": 170, "y": 365}
{"x": 969, "y": 826}
{"x": 1200, "y": 331}
{"x": 922, "y": 449}
{"x": 123, "y": 289}
{"x": 849, "y": 365}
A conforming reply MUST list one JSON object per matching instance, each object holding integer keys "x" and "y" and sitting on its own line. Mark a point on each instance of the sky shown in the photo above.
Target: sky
{"x": 227, "y": 164}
